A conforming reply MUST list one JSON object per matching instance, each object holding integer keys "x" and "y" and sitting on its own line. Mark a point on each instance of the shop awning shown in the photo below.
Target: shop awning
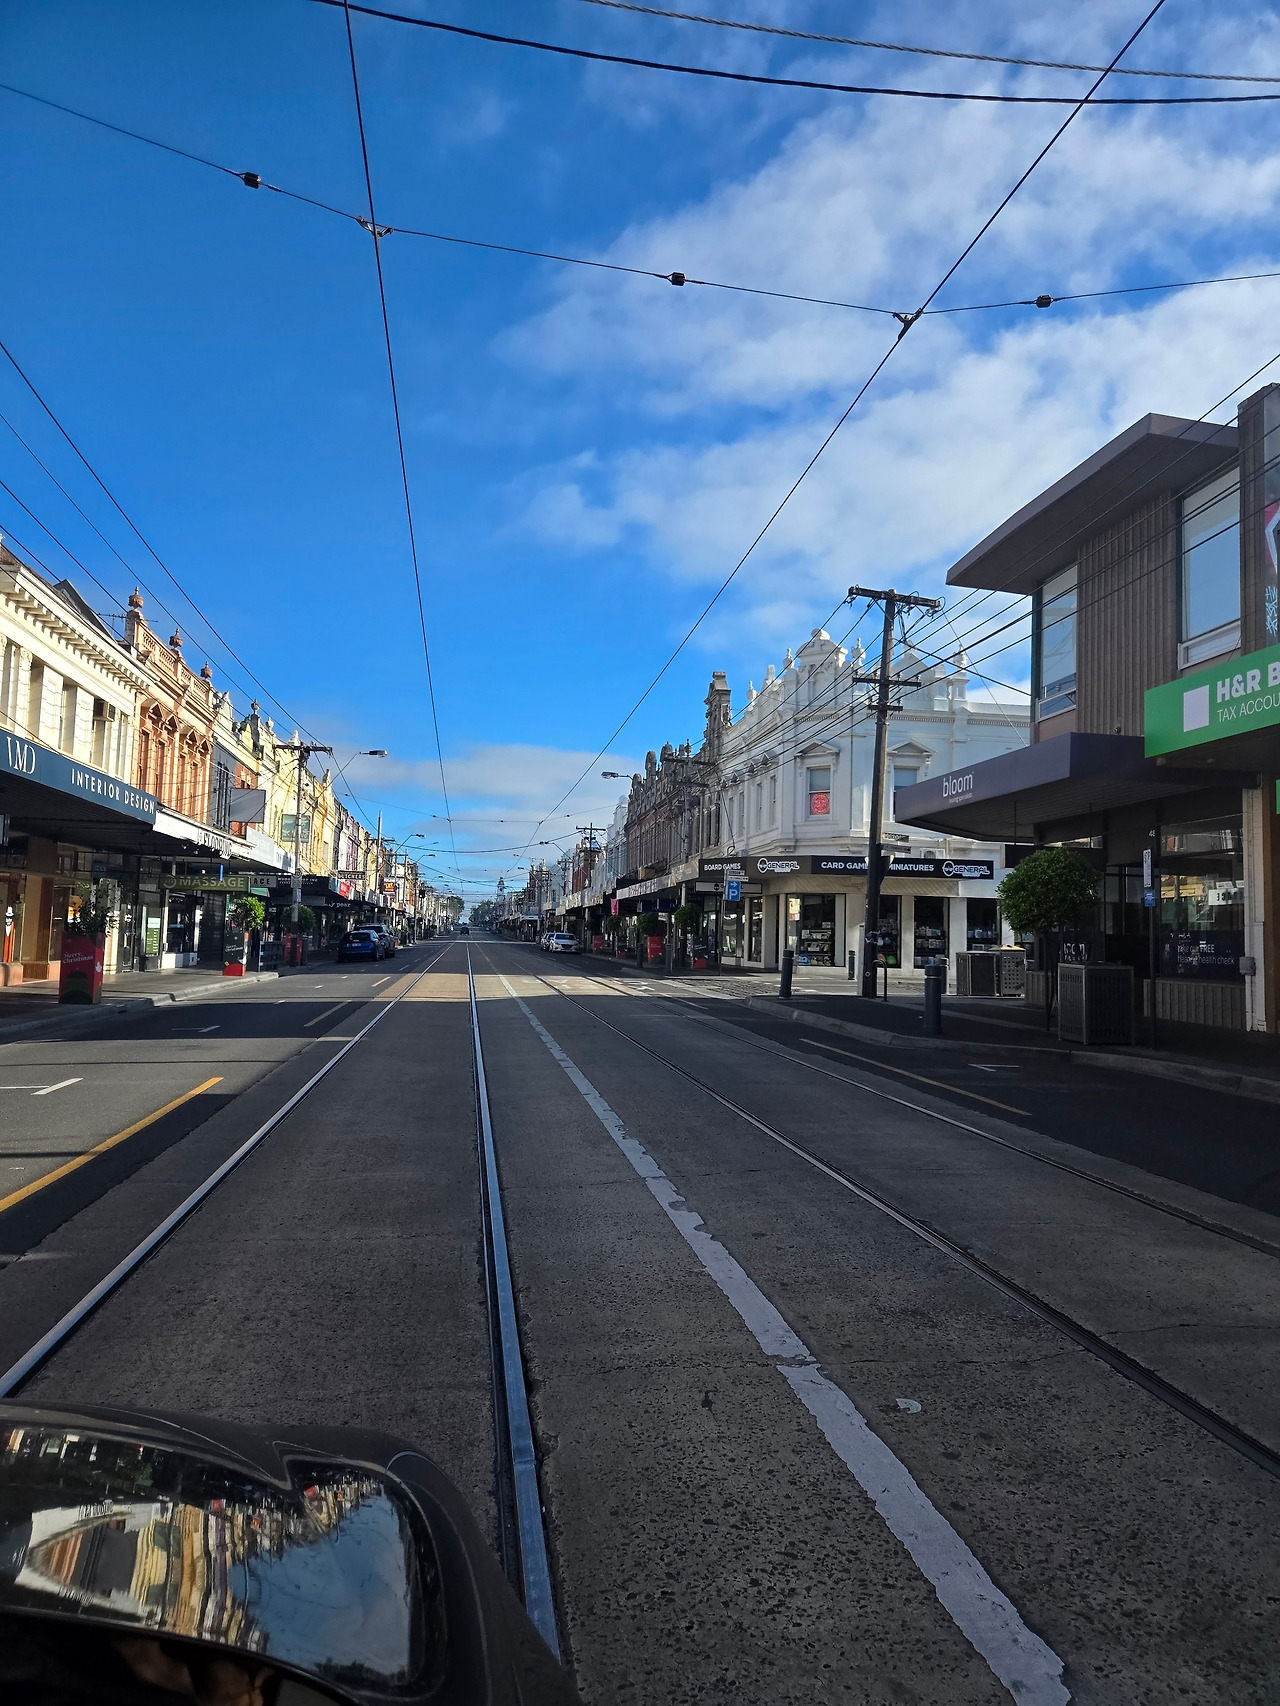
{"x": 46, "y": 793}
{"x": 1011, "y": 797}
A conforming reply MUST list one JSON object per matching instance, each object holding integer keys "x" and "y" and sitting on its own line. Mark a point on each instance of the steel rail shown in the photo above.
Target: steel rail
{"x": 535, "y": 1567}
{"x": 75, "y": 1317}
{"x": 1226, "y": 1432}
{"x": 1187, "y": 1215}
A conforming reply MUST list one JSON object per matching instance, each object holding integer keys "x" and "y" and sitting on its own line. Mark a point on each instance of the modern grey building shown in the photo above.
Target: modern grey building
{"x": 1151, "y": 569}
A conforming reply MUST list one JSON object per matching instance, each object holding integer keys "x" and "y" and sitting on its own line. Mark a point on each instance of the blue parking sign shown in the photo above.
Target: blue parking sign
{"x": 733, "y": 890}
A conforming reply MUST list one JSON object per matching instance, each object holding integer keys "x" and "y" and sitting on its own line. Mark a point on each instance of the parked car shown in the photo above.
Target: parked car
{"x": 360, "y": 944}
{"x": 388, "y": 940}
{"x": 560, "y": 942}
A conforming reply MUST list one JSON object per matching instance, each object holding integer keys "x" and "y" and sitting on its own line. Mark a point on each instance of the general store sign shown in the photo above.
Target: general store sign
{"x": 902, "y": 865}
{"x": 1232, "y": 698}
{"x": 36, "y": 763}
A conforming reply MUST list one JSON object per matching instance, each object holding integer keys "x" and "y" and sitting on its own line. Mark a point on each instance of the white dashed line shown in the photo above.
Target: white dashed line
{"x": 1028, "y": 1668}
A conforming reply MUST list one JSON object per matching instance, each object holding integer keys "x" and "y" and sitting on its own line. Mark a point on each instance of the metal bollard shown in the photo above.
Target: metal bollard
{"x": 853, "y": 966}
{"x": 934, "y": 979}
{"x": 788, "y": 968}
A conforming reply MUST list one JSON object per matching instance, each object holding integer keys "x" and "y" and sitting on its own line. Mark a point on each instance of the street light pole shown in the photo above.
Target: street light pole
{"x": 304, "y": 752}
{"x": 884, "y": 683}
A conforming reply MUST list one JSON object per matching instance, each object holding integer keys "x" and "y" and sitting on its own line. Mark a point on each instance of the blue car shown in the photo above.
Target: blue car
{"x": 360, "y": 945}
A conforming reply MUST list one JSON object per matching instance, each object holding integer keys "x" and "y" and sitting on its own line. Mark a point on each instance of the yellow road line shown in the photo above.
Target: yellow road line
{"x": 883, "y": 1066}
{"x": 101, "y": 1148}
{"x": 328, "y": 1010}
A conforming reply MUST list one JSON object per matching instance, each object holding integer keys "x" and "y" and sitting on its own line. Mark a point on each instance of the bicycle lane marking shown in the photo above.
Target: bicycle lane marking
{"x": 1017, "y": 1657}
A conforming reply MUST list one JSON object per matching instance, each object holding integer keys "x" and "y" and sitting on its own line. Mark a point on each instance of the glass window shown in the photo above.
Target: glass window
{"x": 904, "y": 776}
{"x": 773, "y": 799}
{"x": 982, "y": 925}
{"x": 1056, "y": 637}
{"x": 1211, "y": 556}
{"x": 820, "y": 791}
{"x": 811, "y": 928}
{"x": 1201, "y": 883}
{"x": 884, "y": 945}
{"x": 930, "y": 942}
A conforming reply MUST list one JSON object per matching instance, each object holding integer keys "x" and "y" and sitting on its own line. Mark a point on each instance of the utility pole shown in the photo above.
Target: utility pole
{"x": 304, "y": 752}
{"x": 884, "y": 685}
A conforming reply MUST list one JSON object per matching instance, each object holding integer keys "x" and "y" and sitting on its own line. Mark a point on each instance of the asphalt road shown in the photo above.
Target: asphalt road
{"x": 742, "y": 1373}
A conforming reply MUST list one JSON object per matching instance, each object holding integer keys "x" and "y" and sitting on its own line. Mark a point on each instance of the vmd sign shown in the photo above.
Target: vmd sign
{"x": 32, "y": 762}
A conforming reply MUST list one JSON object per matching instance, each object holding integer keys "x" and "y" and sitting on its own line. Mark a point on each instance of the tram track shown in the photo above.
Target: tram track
{"x": 521, "y": 1535}
{"x": 1174, "y": 1211}
{"x": 1154, "y": 1385}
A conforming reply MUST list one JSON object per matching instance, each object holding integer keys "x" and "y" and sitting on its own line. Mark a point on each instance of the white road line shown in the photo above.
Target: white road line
{"x": 1018, "y": 1658}
{"x": 336, "y": 1008}
{"x": 386, "y": 979}
{"x": 61, "y": 1085}
{"x": 196, "y": 1030}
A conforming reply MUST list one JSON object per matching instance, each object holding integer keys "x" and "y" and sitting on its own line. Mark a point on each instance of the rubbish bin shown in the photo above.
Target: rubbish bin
{"x": 977, "y": 974}
{"x": 1095, "y": 1004}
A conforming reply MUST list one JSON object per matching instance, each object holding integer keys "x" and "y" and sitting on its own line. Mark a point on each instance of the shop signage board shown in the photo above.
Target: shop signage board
{"x": 742, "y": 869}
{"x": 236, "y": 884}
{"x": 1232, "y": 698}
{"x": 902, "y": 865}
{"x": 36, "y": 763}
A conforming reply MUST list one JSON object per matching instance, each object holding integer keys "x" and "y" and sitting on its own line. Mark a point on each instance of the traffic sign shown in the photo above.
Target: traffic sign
{"x": 733, "y": 890}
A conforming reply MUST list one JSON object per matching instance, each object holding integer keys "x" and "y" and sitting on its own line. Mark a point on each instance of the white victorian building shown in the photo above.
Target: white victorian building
{"x": 795, "y": 795}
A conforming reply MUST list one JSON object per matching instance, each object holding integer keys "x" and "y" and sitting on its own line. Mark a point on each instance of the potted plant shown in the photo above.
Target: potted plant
{"x": 84, "y": 945}
{"x": 245, "y": 915}
{"x": 649, "y": 931}
{"x": 1041, "y": 896}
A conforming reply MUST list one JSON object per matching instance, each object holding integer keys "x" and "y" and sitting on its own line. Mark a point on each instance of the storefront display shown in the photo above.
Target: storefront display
{"x": 755, "y": 930}
{"x": 888, "y": 937}
{"x": 930, "y": 936}
{"x": 811, "y": 928}
{"x": 1202, "y": 899}
{"x": 982, "y": 925}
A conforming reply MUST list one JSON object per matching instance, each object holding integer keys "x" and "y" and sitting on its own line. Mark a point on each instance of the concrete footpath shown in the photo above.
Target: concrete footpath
{"x": 33, "y": 1010}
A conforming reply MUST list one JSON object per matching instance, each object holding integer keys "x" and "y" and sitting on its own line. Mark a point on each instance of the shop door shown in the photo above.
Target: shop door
{"x": 755, "y": 931}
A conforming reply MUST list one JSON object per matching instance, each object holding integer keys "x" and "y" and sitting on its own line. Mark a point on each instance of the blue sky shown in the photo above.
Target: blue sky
{"x": 589, "y": 454}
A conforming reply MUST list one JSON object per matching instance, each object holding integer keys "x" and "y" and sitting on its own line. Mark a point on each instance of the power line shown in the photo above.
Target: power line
{"x": 907, "y": 321}
{"x": 1043, "y": 299}
{"x": 395, "y": 407}
{"x": 799, "y": 82}
{"x": 228, "y": 649}
{"x": 932, "y": 52}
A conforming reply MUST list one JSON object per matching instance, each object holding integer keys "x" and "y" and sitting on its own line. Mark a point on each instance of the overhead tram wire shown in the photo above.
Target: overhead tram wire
{"x": 228, "y": 649}
{"x": 795, "y": 82}
{"x": 907, "y": 322}
{"x": 254, "y": 180}
{"x": 931, "y": 52}
{"x": 395, "y": 407}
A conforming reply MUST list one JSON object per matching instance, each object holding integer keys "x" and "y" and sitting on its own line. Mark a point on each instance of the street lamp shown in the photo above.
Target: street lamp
{"x": 616, "y": 775}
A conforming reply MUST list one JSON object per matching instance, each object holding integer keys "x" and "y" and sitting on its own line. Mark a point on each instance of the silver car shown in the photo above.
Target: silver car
{"x": 560, "y": 942}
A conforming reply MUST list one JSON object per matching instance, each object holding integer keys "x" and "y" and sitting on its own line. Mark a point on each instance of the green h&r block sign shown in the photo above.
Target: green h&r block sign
{"x": 1229, "y": 698}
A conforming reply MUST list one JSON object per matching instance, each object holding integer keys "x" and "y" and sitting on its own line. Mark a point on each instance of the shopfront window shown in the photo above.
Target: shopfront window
{"x": 1056, "y": 645}
{"x": 811, "y": 928}
{"x": 930, "y": 942}
{"x": 1210, "y": 588}
{"x": 819, "y": 790}
{"x": 982, "y": 925}
{"x": 886, "y": 948}
{"x": 1202, "y": 899}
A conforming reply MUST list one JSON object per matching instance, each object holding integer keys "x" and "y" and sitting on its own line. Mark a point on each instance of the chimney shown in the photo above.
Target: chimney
{"x": 133, "y": 618}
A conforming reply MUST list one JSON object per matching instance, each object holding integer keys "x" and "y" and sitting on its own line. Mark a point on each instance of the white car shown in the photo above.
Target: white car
{"x": 560, "y": 942}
